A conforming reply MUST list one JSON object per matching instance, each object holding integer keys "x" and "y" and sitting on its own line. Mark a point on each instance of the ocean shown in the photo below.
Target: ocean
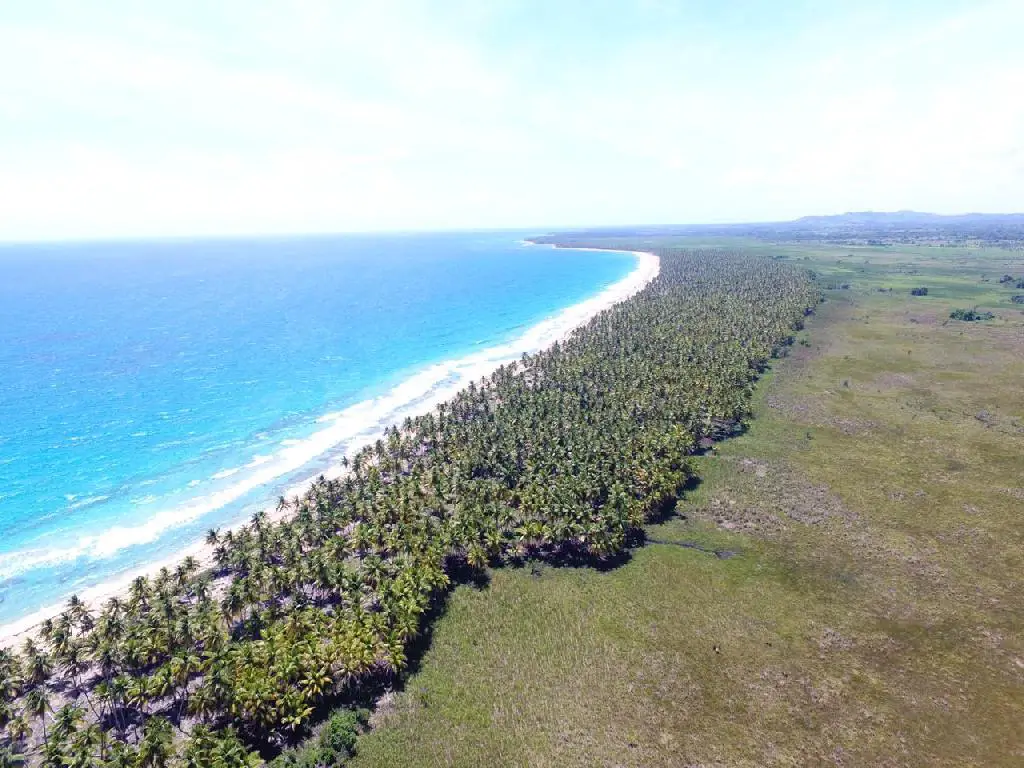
{"x": 152, "y": 390}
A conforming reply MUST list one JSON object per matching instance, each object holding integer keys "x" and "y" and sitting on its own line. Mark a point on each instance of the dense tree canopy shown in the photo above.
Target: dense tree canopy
{"x": 564, "y": 454}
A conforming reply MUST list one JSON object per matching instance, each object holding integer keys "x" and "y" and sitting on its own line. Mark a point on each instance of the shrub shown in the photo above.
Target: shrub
{"x": 918, "y": 291}
{"x": 970, "y": 315}
{"x": 1018, "y": 299}
{"x": 332, "y": 747}
{"x": 339, "y": 735}
{"x": 1006, "y": 279}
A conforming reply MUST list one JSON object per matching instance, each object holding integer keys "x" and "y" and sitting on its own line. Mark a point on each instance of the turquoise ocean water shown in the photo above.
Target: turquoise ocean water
{"x": 152, "y": 390}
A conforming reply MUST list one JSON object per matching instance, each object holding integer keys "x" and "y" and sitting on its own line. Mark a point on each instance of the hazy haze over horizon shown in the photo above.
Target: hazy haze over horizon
{"x": 133, "y": 119}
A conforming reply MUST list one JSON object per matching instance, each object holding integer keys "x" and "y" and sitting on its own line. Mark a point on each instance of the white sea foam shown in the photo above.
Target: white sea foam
{"x": 84, "y": 502}
{"x": 342, "y": 431}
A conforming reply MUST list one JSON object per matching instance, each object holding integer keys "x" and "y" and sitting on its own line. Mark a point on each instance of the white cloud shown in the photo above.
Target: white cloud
{"x": 317, "y": 116}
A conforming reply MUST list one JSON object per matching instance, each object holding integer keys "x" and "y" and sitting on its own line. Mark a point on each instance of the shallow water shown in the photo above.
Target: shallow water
{"x": 152, "y": 390}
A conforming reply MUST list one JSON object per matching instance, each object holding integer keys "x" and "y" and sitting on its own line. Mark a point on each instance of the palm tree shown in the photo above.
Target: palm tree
{"x": 67, "y": 720}
{"x": 122, "y": 755}
{"x": 565, "y": 453}
{"x": 90, "y": 744}
{"x": 157, "y": 745}
{"x": 139, "y": 594}
{"x": 207, "y": 749}
{"x": 203, "y": 703}
{"x": 37, "y": 704}
{"x": 19, "y": 729}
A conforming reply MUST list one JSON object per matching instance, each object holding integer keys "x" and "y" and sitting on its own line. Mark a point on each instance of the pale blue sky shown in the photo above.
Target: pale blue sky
{"x": 195, "y": 117}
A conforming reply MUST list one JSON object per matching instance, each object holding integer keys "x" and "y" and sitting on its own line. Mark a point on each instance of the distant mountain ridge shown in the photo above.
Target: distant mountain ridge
{"x": 854, "y": 227}
{"x": 906, "y": 218}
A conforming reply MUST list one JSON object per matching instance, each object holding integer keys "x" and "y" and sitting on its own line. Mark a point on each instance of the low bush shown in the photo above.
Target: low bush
{"x": 970, "y": 315}
{"x": 334, "y": 745}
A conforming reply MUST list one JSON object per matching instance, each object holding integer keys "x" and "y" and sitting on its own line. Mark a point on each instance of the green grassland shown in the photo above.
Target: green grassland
{"x": 843, "y": 587}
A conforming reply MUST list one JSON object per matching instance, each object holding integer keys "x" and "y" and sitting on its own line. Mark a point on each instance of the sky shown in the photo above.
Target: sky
{"x": 184, "y": 118}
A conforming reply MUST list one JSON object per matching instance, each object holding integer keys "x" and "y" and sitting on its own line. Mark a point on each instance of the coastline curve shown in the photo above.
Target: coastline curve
{"x": 351, "y": 429}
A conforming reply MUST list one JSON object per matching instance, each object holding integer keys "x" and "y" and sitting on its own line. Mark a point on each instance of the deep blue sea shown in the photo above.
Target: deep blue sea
{"x": 152, "y": 390}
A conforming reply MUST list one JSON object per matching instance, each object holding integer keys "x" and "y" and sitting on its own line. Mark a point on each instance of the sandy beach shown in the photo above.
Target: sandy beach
{"x": 450, "y": 378}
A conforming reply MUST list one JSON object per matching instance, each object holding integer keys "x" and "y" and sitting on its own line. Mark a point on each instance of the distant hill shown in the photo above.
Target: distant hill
{"x": 904, "y": 219}
{"x": 854, "y": 228}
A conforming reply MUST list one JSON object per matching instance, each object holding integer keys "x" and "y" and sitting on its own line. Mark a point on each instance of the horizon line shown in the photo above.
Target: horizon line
{"x": 542, "y": 230}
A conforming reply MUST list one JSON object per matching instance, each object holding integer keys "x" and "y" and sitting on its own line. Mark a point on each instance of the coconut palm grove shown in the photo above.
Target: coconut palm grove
{"x": 305, "y": 617}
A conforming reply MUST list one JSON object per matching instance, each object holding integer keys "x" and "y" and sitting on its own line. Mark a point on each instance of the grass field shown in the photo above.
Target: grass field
{"x": 844, "y": 587}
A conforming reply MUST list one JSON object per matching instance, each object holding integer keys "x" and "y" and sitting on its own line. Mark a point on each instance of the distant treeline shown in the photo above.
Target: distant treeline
{"x": 563, "y": 456}
{"x": 868, "y": 228}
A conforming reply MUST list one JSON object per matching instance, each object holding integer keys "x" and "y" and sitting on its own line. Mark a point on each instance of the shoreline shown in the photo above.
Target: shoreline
{"x": 467, "y": 369}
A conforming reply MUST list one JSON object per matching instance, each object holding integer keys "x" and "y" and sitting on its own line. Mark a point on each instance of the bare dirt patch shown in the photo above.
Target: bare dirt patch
{"x": 384, "y": 710}
{"x": 887, "y": 381}
{"x": 765, "y": 497}
{"x": 813, "y": 412}
{"x": 926, "y": 318}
